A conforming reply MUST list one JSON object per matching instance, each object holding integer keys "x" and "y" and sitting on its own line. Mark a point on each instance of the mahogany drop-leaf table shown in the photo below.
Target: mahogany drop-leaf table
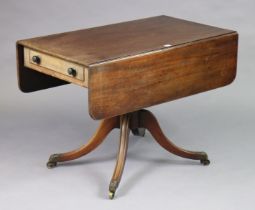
{"x": 127, "y": 67}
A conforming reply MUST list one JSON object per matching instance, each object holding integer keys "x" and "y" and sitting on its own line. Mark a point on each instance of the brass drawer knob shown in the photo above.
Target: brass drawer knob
{"x": 72, "y": 72}
{"x": 36, "y": 59}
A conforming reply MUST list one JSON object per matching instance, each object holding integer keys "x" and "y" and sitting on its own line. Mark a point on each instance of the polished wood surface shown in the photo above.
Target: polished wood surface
{"x": 30, "y": 80}
{"x": 104, "y": 43}
{"x": 104, "y": 129}
{"x": 153, "y": 60}
{"x": 122, "y": 154}
{"x": 138, "y": 121}
{"x": 55, "y": 67}
{"x": 127, "y": 67}
{"x": 149, "y": 122}
{"x": 125, "y": 85}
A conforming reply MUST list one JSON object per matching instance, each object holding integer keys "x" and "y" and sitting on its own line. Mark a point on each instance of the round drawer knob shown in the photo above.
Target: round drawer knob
{"x": 36, "y": 59}
{"x": 72, "y": 72}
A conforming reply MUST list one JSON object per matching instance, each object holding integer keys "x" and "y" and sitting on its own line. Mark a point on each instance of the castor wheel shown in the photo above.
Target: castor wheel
{"x": 205, "y": 162}
{"x": 51, "y": 164}
{"x": 53, "y": 160}
{"x": 111, "y": 195}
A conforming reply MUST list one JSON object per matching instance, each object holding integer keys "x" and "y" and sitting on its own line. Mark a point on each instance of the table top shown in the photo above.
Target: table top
{"x": 100, "y": 44}
{"x": 132, "y": 65}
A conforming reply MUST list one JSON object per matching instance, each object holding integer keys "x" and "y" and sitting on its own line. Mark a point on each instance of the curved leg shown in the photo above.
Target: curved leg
{"x": 149, "y": 122}
{"x": 121, "y": 158}
{"x": 104, "y": 129}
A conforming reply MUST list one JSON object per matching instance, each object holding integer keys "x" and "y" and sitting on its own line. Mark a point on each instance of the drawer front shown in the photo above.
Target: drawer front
{"x": 38, "y": 61}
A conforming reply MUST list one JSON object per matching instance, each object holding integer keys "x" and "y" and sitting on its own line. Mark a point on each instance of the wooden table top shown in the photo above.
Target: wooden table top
{"x": 131, "y": 65}
{"x": 99, "y": 44}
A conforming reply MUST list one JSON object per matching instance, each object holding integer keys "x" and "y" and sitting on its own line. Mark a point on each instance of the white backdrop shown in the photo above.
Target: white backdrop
{"x": 35, "y": 125}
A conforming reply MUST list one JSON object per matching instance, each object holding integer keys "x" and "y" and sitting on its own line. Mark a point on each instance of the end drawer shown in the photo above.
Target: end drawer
{"x": 55, "y": 67}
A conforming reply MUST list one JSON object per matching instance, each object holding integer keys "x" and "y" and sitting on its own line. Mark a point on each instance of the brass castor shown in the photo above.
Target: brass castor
{"x": 53, "y": 160}
{"x": 205, "y": 162}
{"x": 51, "y": 164}
{"x": 112, "y": 188}
{"x": 111, "y": 195}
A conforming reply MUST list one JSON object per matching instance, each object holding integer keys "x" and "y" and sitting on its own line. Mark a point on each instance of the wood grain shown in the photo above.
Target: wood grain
{"x": 140, "y": 119}
{"x": 99, "y": 44}
{"x": 125, "y": 85}
{"x": 136, "y": 64}
{"x": 149, "y": 121}
{"x": 106, "y": 126}
{"x": 55, "y": 67}
{"x": 122, "y": 153}
{"x": 30, "y": 80}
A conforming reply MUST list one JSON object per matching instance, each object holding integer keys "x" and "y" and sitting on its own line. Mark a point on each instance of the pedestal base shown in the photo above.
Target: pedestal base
{"x": 137, "y": 122}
